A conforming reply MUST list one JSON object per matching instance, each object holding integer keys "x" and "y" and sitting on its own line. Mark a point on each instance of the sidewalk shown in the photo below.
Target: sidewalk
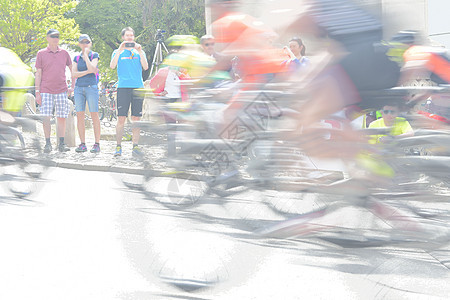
{"x": 152, "y": 145}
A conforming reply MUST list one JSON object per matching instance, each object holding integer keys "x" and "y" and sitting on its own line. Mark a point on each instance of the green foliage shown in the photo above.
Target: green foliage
{"x": 103, "y": 20}
{"x": 24, "y": 24}
{"x": 185, "y": 17}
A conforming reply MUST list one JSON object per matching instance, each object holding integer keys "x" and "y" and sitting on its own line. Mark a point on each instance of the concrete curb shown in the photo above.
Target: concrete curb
{"x": 123, "y": 170}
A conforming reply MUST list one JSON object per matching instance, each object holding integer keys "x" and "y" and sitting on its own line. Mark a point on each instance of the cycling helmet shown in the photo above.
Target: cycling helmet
{"x": 181, "y": 40}
{"x": 408, "y": 37}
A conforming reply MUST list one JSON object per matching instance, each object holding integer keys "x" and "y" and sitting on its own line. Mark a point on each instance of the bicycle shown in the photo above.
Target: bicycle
{"x": 195, "y": 157}
{"x": 108, "y": 103}
{"x": 268, "y": 153}
{"x": 402, "y": 223}
{"x": 23, "y": 163}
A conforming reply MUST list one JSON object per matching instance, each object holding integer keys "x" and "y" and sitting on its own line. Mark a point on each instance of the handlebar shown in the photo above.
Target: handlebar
{"x": 15, "y": 88}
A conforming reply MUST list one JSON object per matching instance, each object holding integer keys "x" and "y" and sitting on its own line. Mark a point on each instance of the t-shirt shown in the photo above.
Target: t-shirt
{"x": 401, "y": 126}
{"x": 172, "y": 85}
{"x": 53, "y": 66}
{"x": 89, "y": 79}
{"x": 129, "y": 69}
{"x": 297, "y": 64}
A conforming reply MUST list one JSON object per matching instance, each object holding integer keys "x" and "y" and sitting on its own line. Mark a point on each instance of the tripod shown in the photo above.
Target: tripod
{"x": 158, "y": 56}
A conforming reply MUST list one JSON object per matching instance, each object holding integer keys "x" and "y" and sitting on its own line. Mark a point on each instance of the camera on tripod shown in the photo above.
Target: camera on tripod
{"x": 160, "y": 46}
{"x": 159, "y": 36}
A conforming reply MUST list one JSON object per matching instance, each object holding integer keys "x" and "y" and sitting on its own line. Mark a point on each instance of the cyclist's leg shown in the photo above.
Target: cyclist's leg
{"x": 330, "y": 92}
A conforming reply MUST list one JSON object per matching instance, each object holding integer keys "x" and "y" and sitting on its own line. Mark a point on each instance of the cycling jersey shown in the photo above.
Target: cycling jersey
{"x": 14, "y": 74}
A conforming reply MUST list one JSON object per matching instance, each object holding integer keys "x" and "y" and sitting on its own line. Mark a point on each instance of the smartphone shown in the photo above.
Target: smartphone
{"x": 130, "y": 45}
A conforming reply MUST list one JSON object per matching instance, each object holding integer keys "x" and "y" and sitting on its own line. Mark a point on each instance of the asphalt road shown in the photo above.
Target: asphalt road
{"x": 84, "y": 235}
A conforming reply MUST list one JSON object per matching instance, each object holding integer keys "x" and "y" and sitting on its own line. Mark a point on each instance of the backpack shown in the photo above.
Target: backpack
{"x": 77, "y": 58}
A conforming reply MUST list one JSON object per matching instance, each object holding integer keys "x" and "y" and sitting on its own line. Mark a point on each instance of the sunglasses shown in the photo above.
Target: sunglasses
{"x": 388, "y": 111}
{"x": 54, "y": 36}
{"x": 209, "y": 44}
{"x": 85, "y": 42}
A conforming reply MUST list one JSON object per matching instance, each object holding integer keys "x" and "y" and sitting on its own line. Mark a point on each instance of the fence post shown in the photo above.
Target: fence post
{"x": 69, "y": 137}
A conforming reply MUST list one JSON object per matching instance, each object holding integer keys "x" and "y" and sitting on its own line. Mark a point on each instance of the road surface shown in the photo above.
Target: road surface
{"x": 83, "y": 235}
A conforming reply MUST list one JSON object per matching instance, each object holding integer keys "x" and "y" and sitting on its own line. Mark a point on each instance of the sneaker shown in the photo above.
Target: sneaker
{"x": 48, "y": 148}
{"x": 118, "y": 151}
{"x": 81, "y": 148}
{"x": 95, "y": 148}
{"x": 137, "y": 152}
{"x": 63, "y": 148}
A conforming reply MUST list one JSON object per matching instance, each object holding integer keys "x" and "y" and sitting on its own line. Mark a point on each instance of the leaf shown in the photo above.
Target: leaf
{"x": 24, "y": 23}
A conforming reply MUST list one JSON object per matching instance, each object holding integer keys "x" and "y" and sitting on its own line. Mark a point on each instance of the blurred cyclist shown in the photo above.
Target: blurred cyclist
{"x": 13, "y": 74}
{"x": 359, "y": 65}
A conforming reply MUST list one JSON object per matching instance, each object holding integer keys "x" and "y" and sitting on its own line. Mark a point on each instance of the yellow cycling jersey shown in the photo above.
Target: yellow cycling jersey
{"x": 401, "y": 126}
{"x": 15, "y": 74}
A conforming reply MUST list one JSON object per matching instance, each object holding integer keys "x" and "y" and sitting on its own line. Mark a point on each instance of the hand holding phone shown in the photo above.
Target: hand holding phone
{"x": 289, "y": 53}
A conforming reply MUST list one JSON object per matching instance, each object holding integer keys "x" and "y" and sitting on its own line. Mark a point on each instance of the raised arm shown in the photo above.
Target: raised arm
{"x": 144, "y": 62}
{"x": 78, "y": 74}
{"x": 91, "y": 65}
{"x": 115, "y": 58}
{"x": 37, "y": 85}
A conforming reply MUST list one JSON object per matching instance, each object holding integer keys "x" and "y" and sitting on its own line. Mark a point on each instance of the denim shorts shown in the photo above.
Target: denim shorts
{"x": 86, "y": 93}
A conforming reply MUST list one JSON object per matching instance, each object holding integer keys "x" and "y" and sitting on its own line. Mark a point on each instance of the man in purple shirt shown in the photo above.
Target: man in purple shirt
{"x": 51, "y": 87}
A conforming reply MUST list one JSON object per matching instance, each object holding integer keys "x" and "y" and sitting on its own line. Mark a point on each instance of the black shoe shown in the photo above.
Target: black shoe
{"x": 48, "y": 148}
{"x": 63, "y": 148}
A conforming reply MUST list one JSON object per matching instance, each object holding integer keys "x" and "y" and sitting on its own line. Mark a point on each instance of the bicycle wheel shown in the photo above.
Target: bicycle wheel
{"x": 112, "y": 113}
{"x": 101, "y": 113}
{"x": 179, "y": 192}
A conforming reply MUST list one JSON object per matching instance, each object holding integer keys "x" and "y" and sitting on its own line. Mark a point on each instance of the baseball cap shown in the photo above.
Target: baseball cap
{"x": 52, "y": 31}
{"x": 84, "y": 37}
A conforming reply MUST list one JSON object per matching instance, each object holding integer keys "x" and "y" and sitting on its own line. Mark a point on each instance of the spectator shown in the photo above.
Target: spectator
{"x": 207, "y": 42}
{"x": 86, "y": 89}
{"x": 130, "y": 59}
{"x": 226, "y": 63}
{"x": 51, "y": 87}
{"x": 400, "y": 127}
{"x": 296, "y": 51}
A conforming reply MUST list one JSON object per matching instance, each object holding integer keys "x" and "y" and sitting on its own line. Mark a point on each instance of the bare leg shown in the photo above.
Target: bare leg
{"x": 96, "y": 124}
{"x": 326, "y": 99}
{"x": 136, "y": 130}
{"x": 119, "y": 128}
{"x": 47, "y": 127}
{"x": 81, "y": 126}
{"x": 61, "y": 127}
